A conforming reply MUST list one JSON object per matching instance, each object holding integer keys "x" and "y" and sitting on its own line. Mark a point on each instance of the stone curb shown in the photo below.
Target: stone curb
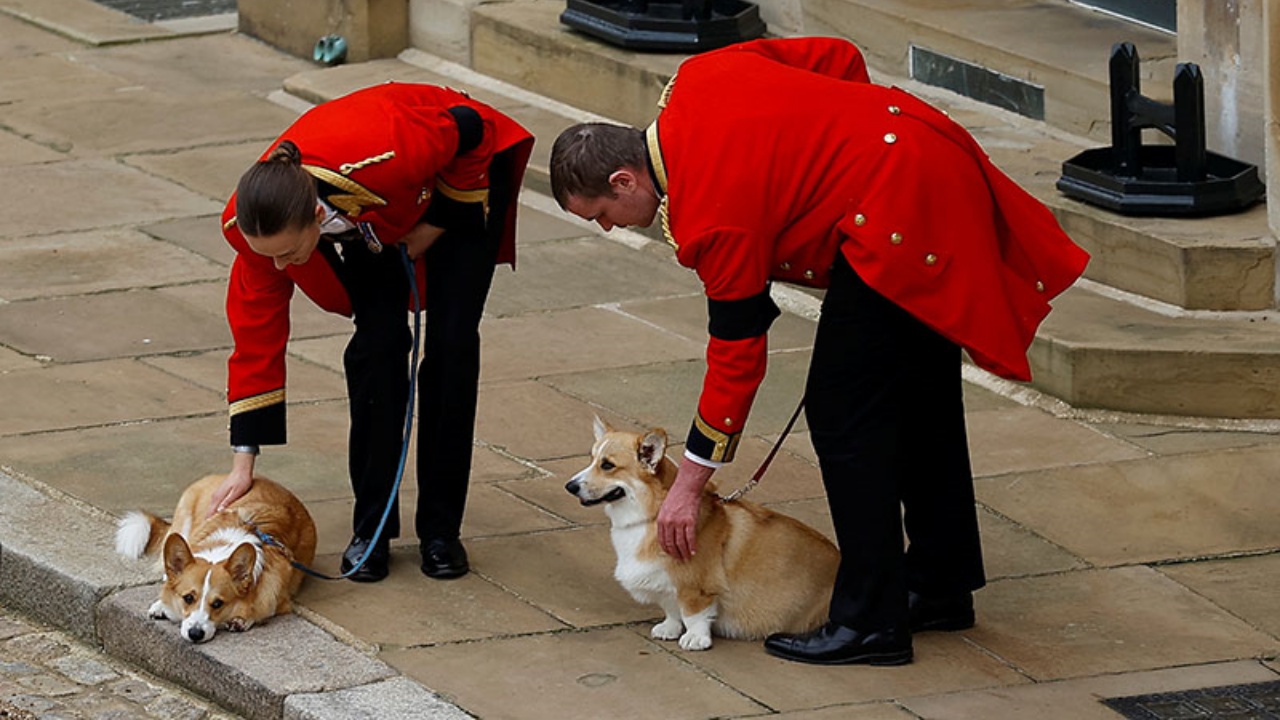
{"x": 58, "y": 564}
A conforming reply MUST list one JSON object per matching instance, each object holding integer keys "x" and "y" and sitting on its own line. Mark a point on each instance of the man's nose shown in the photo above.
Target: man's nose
{"x": 280, "y": 263}
{"x": 605, "y": 224}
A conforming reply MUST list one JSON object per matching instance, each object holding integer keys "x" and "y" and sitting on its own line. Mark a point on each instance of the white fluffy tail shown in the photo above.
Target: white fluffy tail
{"x": 139, "y": 534}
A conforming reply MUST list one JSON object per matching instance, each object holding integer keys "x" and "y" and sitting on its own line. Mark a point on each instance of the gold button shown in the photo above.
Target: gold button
{"x": 859, "y": 219}
{"x": 1039, "y": 286}
{"x": 890, "y": 138}
{"x": 930, "y": 259}
{"x": 894, "y": 110}
{"x": 785, "y": 266}
{"x": 896, "y": 238}
{"x": 728, "y": 422}
{"x": 808, "y": 274}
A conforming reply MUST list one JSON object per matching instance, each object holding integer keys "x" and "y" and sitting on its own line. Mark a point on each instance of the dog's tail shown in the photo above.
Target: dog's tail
{"x": 140, "y": 533}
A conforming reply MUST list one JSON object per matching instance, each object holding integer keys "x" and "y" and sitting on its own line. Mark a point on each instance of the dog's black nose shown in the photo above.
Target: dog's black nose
{"x": 572, "y": 487}
{"x": 195, "y": 634}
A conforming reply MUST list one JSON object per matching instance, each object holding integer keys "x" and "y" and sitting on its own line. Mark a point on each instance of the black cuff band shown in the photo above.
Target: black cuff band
{"x": 741, "y": 319}
{"x": 470, "y": 128}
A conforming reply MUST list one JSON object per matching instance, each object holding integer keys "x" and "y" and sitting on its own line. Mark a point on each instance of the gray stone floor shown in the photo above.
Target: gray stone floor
{"x": 1127, "y": 555}
{"x": 50, "y": 675}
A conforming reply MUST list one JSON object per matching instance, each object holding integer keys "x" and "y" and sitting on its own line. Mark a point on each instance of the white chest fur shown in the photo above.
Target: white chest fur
{"x": 646, "y": 580}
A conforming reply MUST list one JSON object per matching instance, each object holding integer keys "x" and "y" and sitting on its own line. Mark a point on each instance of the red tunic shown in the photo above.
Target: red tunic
{"x": 386, "y": 151}
{"x": 777, "y": 154}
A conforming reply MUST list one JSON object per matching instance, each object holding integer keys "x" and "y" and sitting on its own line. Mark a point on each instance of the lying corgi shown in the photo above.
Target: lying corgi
{"x": 756, "y": 571}
{"x": 230, "y": 570}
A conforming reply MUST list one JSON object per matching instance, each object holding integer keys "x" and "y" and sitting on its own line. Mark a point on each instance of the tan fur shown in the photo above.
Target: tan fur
{"x": 238, "y": 599}
{"x": 761, "y": 571}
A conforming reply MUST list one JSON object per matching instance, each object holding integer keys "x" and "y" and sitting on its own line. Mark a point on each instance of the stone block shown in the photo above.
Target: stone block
{"x": 395, "y": 699}
{"x": 372, "y": 28}
{"x": 251, "y": 673}
{"x": 57, "y": 558}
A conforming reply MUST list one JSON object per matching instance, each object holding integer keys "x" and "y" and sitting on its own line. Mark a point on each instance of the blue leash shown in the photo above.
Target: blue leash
{"x": 404, "y": 447}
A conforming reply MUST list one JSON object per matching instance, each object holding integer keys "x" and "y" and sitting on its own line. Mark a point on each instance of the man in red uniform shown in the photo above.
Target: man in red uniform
{"x": 779, "y": 160}
{"x": 326, "y": 210}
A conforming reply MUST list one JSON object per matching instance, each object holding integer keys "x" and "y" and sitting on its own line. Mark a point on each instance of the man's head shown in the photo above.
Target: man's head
{"x": 599, "y": 173}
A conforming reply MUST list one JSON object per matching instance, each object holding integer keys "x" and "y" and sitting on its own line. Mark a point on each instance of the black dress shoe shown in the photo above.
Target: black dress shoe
{"x": 444, "y": 559}
{"x": 834, "y": 644}
{"x": 374, "y": 567}
{"x": 940, "y": 612}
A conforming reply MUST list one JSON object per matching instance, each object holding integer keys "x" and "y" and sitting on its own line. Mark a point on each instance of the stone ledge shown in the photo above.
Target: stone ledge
{"x": 252, "y": 673}
{"x": 1098, "y": 352}
{"x": 58, "y": 559}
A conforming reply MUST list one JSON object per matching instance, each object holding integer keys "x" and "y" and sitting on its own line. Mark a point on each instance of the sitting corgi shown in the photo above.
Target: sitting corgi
{"x": 757, "y": 572}
{"x": 230, "y": 570}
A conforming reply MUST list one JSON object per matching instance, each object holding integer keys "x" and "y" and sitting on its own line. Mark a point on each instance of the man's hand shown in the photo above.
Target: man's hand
{"x": 420, "y": 238}
{"x": 678, "y": 517}
{"x": 236, "y": 484}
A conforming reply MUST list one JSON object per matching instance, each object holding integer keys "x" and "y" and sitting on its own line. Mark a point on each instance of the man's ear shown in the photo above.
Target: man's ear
{"x": 623, "y": 179}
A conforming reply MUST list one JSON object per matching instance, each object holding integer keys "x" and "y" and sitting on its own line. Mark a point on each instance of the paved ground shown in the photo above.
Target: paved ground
{"x": 1127, "y": 555}
{"x": 50, "y": 675}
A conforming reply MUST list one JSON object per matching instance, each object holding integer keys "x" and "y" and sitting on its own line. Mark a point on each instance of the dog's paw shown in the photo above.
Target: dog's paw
{"x": 690, "y": 641}
{"x": 668, "y": 629}
{"x": 238, "y": 624}
{"x": 158, "y": 611}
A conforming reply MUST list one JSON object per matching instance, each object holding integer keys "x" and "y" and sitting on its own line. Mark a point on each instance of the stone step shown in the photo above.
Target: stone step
{"x": 1099, "y": 348}
{"x": 1224, "y": 263}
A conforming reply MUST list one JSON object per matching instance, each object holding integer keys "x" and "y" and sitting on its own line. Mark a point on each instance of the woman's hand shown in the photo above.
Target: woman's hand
{"x": 678, "y": 516}
{"x": 235, "y": 485}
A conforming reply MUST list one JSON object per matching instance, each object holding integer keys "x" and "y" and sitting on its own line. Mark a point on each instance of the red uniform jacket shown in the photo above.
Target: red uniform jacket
{"x": 774, "y": 155}
{"x": 382, "y": 156}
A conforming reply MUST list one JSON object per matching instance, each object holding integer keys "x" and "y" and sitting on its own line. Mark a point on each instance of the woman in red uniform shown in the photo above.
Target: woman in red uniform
{"x": 326, "y": 210}
{"x": 779, "y": 160}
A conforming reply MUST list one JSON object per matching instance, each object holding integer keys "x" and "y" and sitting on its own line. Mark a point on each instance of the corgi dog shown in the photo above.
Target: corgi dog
{"x": 756, "y": 571}
{"x": 230, "y": 570}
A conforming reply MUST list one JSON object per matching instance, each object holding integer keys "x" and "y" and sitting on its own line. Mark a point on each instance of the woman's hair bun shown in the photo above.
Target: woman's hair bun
{"x": 286, "y": 152}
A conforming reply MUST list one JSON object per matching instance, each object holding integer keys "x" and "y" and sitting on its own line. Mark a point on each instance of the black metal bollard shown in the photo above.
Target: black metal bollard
{"x": 1136, "y": 179}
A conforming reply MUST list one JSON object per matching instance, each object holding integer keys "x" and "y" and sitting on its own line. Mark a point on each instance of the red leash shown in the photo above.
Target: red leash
{"x": 755, "y": 479}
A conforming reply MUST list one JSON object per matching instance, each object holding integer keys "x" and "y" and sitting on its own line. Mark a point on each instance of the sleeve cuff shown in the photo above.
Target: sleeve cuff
{"x": 710, "y": 444}
{"x": 702, "y": 461}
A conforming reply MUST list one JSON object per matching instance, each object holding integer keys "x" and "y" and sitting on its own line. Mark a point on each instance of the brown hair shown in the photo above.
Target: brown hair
{"x": 276, "y": 194}
{"x": 585, "y": 155}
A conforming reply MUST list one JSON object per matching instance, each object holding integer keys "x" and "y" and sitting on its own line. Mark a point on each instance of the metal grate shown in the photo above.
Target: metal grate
{"x": 1256, "y": 701}
{"x": 152, "y": 10}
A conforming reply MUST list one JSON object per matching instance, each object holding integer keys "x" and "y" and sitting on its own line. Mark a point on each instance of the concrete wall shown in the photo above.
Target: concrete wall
{"x": 1227, "y": 38}
{"x": 372, "y": 28}
{"x": 1271, "y": 41}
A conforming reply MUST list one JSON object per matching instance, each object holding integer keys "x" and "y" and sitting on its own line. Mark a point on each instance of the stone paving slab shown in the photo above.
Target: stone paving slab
{"x": 141, "y": 119}
{"x": 1176, "y": 508}
{"x": 95, "y": 261}
{"x": 602, "y": 673}
{"x": 47, "y": 577}
{"x": 251, "y": 672}
{"x": 394, "y": 699}
{"x": 107, "y": 194}
{"x": 1118, "y": 620}
{"x": 98, "y": 393}
{"x": 1079, "y": 699}
{"x": 211, "y": 171}
{"x": 112, "y": 325}
{"x": 55, "y": 78}
{"x": 84, "y": 21}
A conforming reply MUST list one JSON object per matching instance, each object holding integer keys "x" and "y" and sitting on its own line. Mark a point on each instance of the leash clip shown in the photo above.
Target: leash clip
{"x": 370, "y": 237}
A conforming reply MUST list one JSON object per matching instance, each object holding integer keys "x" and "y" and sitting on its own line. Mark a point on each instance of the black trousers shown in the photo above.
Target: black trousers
{"x": 885, "y": 410}
{"x": 459, "y": 271}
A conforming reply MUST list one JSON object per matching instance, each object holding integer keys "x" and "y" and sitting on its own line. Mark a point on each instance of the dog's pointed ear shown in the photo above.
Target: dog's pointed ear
{"x": 240, "y": 566}
{"x": 177, "y": 555}
{"x": 600, "y": 427}
{"x": 652, "y": 447}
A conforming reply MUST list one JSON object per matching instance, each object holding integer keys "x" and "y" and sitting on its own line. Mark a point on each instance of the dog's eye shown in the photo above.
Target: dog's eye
{"x": 216, "y": 604}
{"x": 189, "y": 598}
{"x": 606, "y": 465}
